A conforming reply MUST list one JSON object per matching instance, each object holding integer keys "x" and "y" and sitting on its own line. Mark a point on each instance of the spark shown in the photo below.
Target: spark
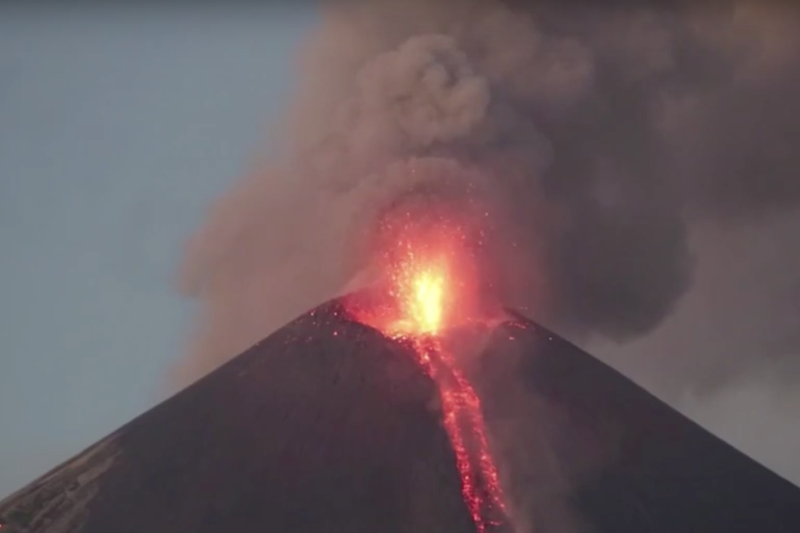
{"x": 426, "y": 300}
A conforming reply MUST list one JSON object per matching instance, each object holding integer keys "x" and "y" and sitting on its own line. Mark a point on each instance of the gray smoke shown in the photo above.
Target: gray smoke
{"x": 600, "y": 137}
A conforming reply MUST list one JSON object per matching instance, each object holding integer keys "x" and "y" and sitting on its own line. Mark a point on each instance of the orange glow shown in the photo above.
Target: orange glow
{"x": 463, "y": 421}
{"x": 430, "y": 292}
{"x": 419, "y": 287}
{"x": 427, "y": 308}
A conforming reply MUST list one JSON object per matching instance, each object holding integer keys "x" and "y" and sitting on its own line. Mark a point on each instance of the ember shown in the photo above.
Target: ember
{"x": 429, "y": 291}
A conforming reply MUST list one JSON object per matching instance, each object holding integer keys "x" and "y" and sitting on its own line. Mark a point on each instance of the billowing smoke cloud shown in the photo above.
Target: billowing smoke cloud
{"x": 598, "y": 137}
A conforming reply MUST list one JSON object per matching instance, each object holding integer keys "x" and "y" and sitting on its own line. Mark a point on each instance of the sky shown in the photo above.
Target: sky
{"x": 119, "y": 128}
{"x": 116, "y": 131}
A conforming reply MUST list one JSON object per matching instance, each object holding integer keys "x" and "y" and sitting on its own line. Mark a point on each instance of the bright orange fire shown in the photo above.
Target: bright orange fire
{"x": 427, "y": 299}
{"x": 427, "y": 304}
{"x": 419, "y": 287}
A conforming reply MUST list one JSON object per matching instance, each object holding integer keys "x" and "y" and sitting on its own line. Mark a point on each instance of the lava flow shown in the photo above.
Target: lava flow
{"x": 427, "y": 297}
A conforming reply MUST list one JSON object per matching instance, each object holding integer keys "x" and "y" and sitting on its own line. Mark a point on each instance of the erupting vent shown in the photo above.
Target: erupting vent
{"x": 428, "y": 293}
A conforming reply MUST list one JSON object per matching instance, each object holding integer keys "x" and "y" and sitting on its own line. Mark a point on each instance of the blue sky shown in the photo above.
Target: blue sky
{"x": 117, "y": 128}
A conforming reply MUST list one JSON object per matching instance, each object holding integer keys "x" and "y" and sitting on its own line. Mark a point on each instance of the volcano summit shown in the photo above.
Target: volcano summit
{"x": 329, "y": 425}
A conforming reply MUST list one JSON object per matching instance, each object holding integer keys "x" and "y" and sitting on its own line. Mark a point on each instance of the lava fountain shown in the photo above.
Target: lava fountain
{"x": 430, "y": 289}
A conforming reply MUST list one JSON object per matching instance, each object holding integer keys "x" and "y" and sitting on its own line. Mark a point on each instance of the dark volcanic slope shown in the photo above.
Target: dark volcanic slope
{"x": 586, "y": 442}
{"x": 323, "y": 427}
{"x": 328, "y": 427}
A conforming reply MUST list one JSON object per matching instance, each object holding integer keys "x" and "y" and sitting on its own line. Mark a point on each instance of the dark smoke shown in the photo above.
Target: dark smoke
{"x": 599, "y": 138}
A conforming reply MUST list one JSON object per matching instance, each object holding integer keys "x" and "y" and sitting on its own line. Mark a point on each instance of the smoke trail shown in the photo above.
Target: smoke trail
{"x": 597, "y": 136}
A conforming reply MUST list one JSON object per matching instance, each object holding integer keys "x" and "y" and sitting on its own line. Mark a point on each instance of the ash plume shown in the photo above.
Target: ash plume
{"x": 597, "y": 138}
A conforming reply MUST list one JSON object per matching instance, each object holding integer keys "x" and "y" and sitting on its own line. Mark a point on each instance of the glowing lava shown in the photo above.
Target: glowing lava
{"x": 426, "y": 299}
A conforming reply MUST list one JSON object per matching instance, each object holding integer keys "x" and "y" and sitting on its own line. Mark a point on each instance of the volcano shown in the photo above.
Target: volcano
{"x": 330, "y": 426}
